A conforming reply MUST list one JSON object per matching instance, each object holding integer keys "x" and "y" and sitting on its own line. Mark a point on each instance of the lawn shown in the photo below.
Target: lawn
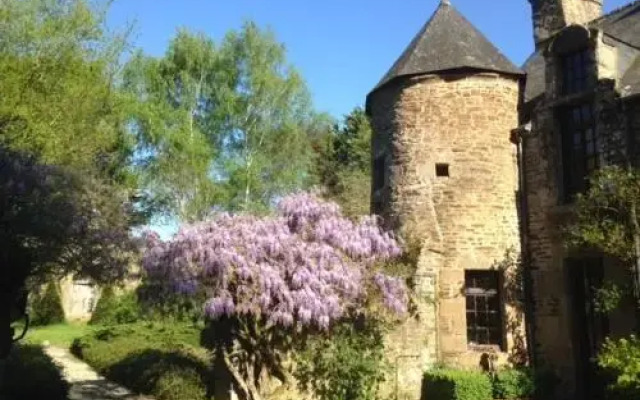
{"x": 61, "y": 335}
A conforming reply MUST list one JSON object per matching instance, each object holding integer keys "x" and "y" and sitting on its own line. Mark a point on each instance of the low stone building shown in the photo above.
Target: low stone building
{"x": 476, "y": 159}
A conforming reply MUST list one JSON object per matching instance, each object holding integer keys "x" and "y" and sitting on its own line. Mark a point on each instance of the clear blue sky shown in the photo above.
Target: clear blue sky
{"x": 341, "y": 47}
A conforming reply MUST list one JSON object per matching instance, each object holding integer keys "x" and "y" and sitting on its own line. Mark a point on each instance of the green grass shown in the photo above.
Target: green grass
{"x": 61, "y": 335}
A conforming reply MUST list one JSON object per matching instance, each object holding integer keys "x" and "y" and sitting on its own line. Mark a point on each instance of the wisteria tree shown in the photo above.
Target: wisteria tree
{"x": 270, "y": 283}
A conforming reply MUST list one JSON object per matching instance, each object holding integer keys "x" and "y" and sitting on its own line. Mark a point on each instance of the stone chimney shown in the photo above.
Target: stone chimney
{"x": 550, "y": 16}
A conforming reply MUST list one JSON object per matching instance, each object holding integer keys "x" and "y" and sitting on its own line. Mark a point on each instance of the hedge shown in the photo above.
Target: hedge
{"x": 511, "y": 384}
{"x": 46, "y": 307}
{"x": 449, "y": 384}
{"x": 114, "y": 309}
{"x": 155, "y": 359}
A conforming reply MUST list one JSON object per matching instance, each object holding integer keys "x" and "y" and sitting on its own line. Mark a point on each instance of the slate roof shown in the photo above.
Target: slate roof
{"x": 622, "y": 24}
{"x": 448, "y": 41}
{"x": 535, "y": 70}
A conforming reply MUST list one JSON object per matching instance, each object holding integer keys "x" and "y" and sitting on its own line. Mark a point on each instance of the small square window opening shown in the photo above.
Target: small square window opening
{"x": 442, "y": 170}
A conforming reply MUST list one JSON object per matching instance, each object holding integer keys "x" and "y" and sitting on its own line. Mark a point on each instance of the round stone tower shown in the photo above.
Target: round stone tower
{"x": 445, "y": 176}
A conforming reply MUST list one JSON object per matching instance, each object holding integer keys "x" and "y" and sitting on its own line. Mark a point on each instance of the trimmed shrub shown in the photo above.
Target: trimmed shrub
{"x": 449, "y": 384}
{"x": 620, "y": 360}
{"x": 513, "y": 384}
{"x": 155, "y": 359}
{"x": 114, "y": 309}
{"x": 346, "y": 364}
{"x": 31, "y": 375}
{"x": 46, "y": 307}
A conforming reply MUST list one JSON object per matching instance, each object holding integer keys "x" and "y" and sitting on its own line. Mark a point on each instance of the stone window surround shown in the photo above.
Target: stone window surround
{"x": 572, "y": 39}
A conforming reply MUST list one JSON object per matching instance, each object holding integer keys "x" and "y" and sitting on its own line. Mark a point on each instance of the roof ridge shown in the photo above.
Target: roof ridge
{"x": 616, "y": 11}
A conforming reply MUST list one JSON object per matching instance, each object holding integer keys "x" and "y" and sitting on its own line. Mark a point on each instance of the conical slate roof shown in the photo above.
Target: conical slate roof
{"x": 448, "y": 41}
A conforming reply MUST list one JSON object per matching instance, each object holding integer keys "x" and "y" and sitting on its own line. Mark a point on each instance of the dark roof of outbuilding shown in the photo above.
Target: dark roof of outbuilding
{"x": 622, "y": 24}
{"x": 448, "y": 41}
{"x": 535, "y": 70}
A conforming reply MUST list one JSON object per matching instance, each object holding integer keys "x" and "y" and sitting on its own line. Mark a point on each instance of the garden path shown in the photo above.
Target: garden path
{"x": 86, "y": 383}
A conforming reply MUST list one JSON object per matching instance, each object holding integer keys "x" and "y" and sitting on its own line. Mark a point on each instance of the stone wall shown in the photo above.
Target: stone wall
{"x": 548, "y": 211}
{"x": 78, "y": 298}
{"x": 464, "y": 221}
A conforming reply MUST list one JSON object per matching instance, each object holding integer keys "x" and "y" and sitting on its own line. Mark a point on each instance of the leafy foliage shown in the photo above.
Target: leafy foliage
{"x": 113, "y": 309}
{"x": 46, "y": 307}
{"x": 168, "y": 364}
{"x": 55, "y": 223}
{"x": 347, "y": 363}
{"x": 267, "y": 117}
{"x": 448, "y": 384}
{"x": 174, "y": 123}
{"x": 621, "y": 359}
{"x": 57, "y": 64}
{"x": 31, "y": 375}
{"x": 343, "y": 163}
{"x": 606, "y": 215}
{"x": 513, "y": 383}
{"x": 271, "y": 280}
{"x": 610, "y": 295}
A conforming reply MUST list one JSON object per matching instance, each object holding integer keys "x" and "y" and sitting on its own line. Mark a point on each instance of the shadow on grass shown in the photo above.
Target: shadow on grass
{"x": 163, "y": 374}
{"x": 100, "y": 389}
{"x": 31, "y": 375}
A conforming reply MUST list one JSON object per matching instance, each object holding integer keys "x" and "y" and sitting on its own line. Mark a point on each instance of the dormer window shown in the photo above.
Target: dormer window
{"x": 576, "y": 71}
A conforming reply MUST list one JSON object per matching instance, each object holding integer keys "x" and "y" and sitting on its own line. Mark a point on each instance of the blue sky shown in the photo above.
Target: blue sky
{"x": 341, "y": 47}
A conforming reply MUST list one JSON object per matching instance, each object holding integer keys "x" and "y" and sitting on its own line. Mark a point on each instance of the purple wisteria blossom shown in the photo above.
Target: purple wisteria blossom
{"x": 308, "y": 264}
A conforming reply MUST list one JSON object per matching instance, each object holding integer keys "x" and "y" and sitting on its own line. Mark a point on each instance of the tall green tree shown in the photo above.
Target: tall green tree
{"x": 66, "y": 190}
{"x": 175, "y": 125}
{"x": 57, "y": 69}
{"x": 266, "y": 110}
{"x": 343, "y": 163}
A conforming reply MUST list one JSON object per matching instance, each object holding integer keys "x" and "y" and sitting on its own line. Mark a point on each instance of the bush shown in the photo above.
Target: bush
{"x": 447, "y": 384}
{"x": 513, "y": 384}
{"x": 31, "y": 375}
{"x": 620, "y": 359}
{"x": 160, "y": 360}
{"x": 114, "y": 309}
{"x": 46, "y": 307}
{"x": 347, "y": 364}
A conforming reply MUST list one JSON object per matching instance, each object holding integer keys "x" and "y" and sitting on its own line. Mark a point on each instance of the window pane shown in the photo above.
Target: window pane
{"x": 483, "y": 307}
{"x": 575, "y": 71}
{"x": 579, "y": 143}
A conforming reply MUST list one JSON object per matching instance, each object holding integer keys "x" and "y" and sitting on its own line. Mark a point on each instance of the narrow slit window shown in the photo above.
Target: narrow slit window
{"x": 379, "y": 166}
{"x": 442, "y": 170}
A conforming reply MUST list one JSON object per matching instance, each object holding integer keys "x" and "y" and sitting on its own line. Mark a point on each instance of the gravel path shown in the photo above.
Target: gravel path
{"x": 85, "y": 383}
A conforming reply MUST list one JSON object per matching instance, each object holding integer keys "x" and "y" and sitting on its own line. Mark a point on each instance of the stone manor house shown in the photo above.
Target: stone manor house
{"x": 478, "y": 161}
